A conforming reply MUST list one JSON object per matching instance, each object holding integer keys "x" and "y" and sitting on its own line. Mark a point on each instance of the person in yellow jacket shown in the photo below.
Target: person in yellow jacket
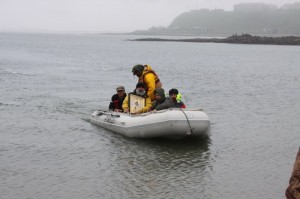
{"x": 148, "y": 76}
{"x": 140, "y": 91}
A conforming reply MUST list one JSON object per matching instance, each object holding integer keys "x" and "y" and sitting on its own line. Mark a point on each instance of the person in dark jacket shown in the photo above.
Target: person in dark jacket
{"x": 161, "y": 101}
{"x": 173, "y": 94}
{"x": 117, "y": 100}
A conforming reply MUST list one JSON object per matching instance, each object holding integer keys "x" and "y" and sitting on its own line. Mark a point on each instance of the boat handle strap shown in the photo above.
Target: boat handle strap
{"x": 187, "y": 119}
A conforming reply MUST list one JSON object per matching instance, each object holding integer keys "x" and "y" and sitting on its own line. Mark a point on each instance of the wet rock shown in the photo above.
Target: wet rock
{"x": 293, "y": 190}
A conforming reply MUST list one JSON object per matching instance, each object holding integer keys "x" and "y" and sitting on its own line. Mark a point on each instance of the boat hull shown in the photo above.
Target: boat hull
{"x": 171, "y": 123}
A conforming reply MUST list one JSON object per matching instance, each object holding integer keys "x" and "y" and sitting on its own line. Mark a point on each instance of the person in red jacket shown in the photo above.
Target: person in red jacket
{"x": 117, "y": 100}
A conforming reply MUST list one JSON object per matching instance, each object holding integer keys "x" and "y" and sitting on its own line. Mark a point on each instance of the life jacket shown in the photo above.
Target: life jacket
{"x": 148, "y": 70}
{"x": 117, "y": 104}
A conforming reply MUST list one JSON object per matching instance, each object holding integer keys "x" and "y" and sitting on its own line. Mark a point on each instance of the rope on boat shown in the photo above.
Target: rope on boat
{"x": 190, "y": 132}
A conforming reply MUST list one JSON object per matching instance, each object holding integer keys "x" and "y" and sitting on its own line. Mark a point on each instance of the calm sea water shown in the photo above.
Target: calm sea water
{"x": 50, "y": 84}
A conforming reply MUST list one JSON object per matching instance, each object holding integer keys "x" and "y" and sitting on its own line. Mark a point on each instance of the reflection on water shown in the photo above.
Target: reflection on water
{"x": 167, "y": 167}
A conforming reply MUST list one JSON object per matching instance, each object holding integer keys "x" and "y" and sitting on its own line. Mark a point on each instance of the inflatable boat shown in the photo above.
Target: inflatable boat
{"x": 171, "y": 123}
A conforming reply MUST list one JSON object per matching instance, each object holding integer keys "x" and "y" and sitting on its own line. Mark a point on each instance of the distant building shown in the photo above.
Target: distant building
{"x": 254, "y": 7}
{"x": 293, "y": 6}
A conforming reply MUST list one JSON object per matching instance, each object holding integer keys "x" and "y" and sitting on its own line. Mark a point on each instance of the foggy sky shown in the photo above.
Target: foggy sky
{"x": 102, "y": 16}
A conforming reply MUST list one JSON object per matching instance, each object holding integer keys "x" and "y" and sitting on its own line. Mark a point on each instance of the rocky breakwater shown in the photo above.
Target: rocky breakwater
{"x": 249, "y": 39}
{"x": 236, "y": 39}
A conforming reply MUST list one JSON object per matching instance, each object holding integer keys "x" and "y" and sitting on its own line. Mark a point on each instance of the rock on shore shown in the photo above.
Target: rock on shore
{"x": 293, "y": 190}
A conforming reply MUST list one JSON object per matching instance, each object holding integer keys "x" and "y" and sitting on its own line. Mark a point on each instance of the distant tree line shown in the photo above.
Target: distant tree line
{"x": 250, "y": 18}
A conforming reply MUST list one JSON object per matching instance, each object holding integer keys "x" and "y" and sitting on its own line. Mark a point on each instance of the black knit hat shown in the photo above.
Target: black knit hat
{"x": 138, "y": 85}
{"x": 173, "y": 91}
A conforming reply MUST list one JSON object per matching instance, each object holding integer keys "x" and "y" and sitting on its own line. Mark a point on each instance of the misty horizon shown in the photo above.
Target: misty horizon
{"x": 92, "y": 16}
